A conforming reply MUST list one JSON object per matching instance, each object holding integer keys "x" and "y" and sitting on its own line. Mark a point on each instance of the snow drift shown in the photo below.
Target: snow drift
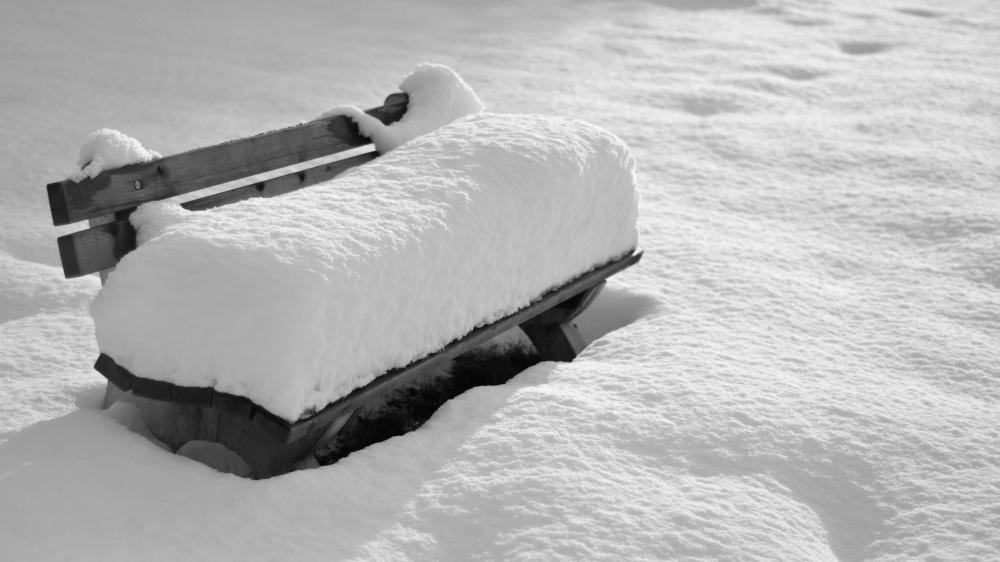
{"x": 295, "y": 301}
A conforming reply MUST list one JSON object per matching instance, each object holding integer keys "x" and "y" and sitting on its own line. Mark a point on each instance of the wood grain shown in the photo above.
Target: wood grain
{"x": 127, "y": 187}
{"x": 100, "y": 247}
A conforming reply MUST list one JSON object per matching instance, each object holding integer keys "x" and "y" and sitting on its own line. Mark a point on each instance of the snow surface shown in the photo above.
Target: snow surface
{"x": 438, "y": 96}
{"x": 107, "y": 149}
{"x": 295, "y": 301}
{"x": 804, "y": 366}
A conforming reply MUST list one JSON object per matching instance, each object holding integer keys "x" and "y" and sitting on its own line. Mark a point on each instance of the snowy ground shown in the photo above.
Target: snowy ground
{"x": 806, "y": 365}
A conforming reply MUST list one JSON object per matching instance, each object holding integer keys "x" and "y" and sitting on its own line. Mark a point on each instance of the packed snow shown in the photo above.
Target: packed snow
{"x": 107, "y": 149}
{"x": 804, "y": 366}
{"x": 437, "y": 96}
{"x": 295, "y": 301}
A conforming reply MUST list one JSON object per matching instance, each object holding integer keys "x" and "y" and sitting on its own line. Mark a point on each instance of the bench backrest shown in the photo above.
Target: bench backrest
{"x": 109, "y": 198}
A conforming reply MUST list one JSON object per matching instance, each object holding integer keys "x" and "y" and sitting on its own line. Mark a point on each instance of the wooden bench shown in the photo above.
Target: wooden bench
{"x": 269, "y": 444}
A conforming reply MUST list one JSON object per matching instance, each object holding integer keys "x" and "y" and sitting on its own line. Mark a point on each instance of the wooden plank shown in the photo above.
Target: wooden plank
{"x": 102, "y": 246}
{"x": 115, "y": 374}
{"x": 129, "y": 186}
{"x": 281, "y": 184}
{"x": 151, "y": 388}
{"x": 286, "y": 432}
{"x": 194, "y": 395}
{"x": 95, "y": 249}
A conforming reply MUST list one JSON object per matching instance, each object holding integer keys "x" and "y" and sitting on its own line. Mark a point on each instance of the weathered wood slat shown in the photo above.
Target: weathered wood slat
{"x": 129, "y": 186}
{"x": 284, "y": 432}
{"x": 100, "y": 247}
{"x": 281, "y": 184}
{"x": 95, "y": 249}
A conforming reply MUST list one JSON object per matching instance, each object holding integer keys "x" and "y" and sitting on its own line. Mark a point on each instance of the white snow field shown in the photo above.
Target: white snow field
{"x": 804, "y": 366}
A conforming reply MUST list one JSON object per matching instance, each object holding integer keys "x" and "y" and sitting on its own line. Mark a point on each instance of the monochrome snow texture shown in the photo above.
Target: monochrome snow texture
{"x": 804, "y": 366}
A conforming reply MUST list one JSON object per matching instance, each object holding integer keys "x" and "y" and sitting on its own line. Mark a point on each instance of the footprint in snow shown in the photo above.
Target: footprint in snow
{"x": 864, "y": 47}
{"x": 706, "y": 107}
{"x": 806, "y": 22}
{"x": 793, "y": 72}
{"x": 919, "y": 12}
{"x": 700, "y": 5}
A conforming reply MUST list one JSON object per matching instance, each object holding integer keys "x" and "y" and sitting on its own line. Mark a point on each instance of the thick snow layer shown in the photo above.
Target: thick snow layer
{"x": 804, "y": 366}
{"x": 437, "y": 95}
{"x": 107, "y": 149}
{"x": 295, "y": 301}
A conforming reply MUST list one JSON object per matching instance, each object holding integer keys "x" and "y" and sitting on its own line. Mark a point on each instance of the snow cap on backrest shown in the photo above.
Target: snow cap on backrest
{"x": 107, "y": 149}
{"x": 438, "y": 96}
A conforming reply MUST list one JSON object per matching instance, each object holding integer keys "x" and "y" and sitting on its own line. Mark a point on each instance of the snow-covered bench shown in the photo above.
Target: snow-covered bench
{"x": 160, "y": 335}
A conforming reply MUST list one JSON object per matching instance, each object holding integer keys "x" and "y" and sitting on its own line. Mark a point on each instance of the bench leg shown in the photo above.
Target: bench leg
{"x": 553, "y": 333}
{"x": 178, "y": 424}
{"x": 555, "y": 342}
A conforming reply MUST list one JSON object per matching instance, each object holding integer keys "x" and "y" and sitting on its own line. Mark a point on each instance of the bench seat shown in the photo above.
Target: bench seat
{"x": 294, "y": 302}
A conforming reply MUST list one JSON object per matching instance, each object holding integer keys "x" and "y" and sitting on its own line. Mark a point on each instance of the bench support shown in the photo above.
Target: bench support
{"x": 176, "y": 424}
{"x": 554, "y": 334}
{"x": 271, "y": 446}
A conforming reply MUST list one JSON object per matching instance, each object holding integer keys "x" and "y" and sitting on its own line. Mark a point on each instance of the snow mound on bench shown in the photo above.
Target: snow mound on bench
{"x": 295, "y": 301}
{"x": 107, "y": 149}
{"x": 438, "y": 96}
